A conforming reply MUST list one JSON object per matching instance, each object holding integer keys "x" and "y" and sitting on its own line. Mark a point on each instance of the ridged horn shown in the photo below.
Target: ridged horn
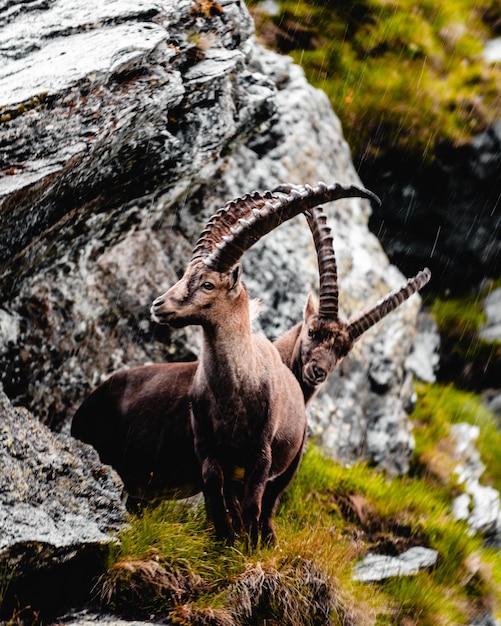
{"x": 222, "y": 222}
{"x": 272, "y": 210}
{"x": 363, "y": 321}
{"x": 327, "y": 268}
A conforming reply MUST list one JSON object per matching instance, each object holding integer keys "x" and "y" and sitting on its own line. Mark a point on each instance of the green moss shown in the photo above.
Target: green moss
{"x": 466, "y": 358}
{"x": 401, "y": 75}
{"x": 169, "y": 565}
{"x": 441, "y": 406}
{"x": 476, "y": 566}
{"x": 459, "y": 315}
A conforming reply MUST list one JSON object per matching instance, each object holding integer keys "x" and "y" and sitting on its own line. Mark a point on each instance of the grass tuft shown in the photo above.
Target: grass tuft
{"x": 288, "y": 592}
{"x": 147, "y": 584}
{"x": 191, "y": 615}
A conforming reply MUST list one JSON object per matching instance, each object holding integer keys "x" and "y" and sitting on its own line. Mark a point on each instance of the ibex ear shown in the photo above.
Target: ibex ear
{"x": 310, "y": 308}
{"x": 235, "y": 274}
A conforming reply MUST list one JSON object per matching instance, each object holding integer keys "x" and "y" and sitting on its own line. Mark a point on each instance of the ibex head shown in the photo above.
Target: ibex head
{"x": 324, "y": 342}
{"x": 196, "y": 297}
{"x": 213, "y": 274}
{"x": 324, "y": 339}
{"x": 321, "y": 346}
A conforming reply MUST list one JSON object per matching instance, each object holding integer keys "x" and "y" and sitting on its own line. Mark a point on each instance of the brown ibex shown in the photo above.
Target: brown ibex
{"x": 138, "y": 419}
{"x": 246, "y": 410}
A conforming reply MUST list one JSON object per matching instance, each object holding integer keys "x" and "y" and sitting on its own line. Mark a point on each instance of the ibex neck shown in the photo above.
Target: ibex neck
{"x": 287, "y": 344}
{"x": 228, "y": 350}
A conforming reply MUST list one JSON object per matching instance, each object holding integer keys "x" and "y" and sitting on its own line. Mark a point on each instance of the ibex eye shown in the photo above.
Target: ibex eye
{"x": 311, "y": 332}
{"x": 207, "y": 286}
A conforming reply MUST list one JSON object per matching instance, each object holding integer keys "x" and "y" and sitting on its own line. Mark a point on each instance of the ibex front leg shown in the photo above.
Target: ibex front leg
{"x": 213, "y": 479}
{"x": 256, "y": 478}
{"x": 213, "y": 486}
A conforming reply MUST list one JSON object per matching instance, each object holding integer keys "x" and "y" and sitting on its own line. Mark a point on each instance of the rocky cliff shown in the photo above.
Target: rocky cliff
{"x": 123, "y": 128}
{"x": 445, "y": 214}
{"x": 122, "y": 131}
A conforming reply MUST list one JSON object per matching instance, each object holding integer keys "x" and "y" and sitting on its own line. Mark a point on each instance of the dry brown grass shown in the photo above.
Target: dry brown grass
{"x": 290, "y": 592}
{"x": 191, "y": 615}
{"x": 130, "y": 584}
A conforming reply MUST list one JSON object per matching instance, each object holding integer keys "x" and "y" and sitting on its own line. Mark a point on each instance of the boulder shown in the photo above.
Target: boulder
{"x": 375, "y": 567}
{"x": 491, "y": 331}
{"x": 59, "y": 510}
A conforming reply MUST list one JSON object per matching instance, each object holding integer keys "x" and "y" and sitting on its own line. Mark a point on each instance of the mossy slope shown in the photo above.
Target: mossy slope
{"x": 466, "y": 358}
{"x": 402, "y": 75}
{"x": 169, "y": 566}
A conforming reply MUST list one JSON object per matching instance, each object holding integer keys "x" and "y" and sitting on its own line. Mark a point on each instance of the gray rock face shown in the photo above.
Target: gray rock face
{"x": 424, "y": 359}
{"x": 55, "y": 492}
{"x": 445, "y": 215}
{"x": 112, "y": 162}
{"x": 492, "y": 307}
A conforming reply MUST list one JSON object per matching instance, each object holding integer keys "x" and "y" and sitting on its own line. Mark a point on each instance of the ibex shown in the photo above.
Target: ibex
{"x": 139, "y": 418}
{"x": 246, "y": 409}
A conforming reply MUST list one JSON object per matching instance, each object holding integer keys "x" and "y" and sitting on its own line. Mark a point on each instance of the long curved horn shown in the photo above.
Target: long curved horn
{"x": 222, "y": 222}
{"x": 363, "y": 321}
{"x": 327, "y": 268}
{"x": 268, "y": 212}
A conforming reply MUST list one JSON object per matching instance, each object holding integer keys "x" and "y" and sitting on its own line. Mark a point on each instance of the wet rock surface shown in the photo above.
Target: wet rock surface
{"x": 380, "y": 566}
{"x": 424, "y": 359}
{"x": 59, "y": 509}
{"x": 109, "y": 176}
{"x": 84, "y": 618}
{"x": 491, "y": 331}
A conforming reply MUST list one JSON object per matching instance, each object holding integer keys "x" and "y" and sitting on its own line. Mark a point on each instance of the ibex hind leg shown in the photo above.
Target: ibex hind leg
{"x": 215, "y": 503}
{"x": 272, "y": 494}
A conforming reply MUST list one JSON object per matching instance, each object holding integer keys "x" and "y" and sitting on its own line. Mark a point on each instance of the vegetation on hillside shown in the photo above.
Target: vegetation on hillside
{"x": 466, "y": 358}
{"x": 400, "y": 74}
{"x": 169, "y": 566}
